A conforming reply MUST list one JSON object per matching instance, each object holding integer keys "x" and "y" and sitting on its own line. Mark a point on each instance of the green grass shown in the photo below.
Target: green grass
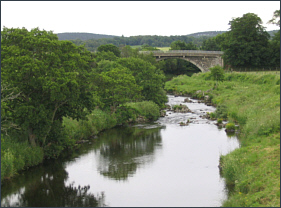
{"x": 251, "y": 100}
{"x": 164, "y": 48}
{"x": 17, "y": 156}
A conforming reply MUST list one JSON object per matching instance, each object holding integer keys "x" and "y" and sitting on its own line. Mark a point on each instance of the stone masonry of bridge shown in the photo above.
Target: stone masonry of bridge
{"x": 202, "y": 59}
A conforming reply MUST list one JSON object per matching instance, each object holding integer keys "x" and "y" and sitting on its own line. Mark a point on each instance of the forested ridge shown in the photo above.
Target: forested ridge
{"x": 92, "y": 41}
{"x": 82, "y": 36}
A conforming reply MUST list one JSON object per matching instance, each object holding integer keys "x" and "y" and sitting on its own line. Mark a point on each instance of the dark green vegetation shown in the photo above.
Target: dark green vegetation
{"x": 154, "y": 41}
{"x": 252, "y": 101}
{"x": 55, "y": 94}
{"x": 247, "y": 45}
{"x": 93, "y": 41}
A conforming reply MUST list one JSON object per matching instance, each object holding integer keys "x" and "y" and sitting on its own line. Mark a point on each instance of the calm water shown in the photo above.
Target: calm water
{"x": 160, "y": 164}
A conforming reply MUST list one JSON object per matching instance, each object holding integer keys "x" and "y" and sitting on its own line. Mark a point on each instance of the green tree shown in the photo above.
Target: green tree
{"x": 118, "y": 86}
{"x": 53, "y": 78}
{"x": 8, "y": 94}
{"x": 103, "y": 55}
{"x": 109, "y": 47}
{"x": 181, "y": 45}
{"x": 217, "y": 74}
{"x": 275, "y": 42}
{"x": 214, "y": 43}
{"x": 178, "y": 45}
{"x": 148, "y": 77}
{"x": 247, "y": 42}
{"x": 128, "y": 51}
{"x": 276, "y": 18}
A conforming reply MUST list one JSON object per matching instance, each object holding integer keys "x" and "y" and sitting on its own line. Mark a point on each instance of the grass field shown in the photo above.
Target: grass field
{"x": 160, "y": 48}
{"x": 163, "y": 48}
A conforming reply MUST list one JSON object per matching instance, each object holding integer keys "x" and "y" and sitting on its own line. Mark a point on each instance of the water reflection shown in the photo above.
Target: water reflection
{"x": 122, "y": 152}
{"x": 161, "y": 164}
{"x": 44, "y": 186}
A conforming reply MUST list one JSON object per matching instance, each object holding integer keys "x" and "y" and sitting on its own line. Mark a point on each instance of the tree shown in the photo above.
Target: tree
{"x": 53, "y": 77}
{"x": 275, "y": 42}
{"x": 109, "y": 48}
{"x": 128, "y": 51}
{"x": 181, "y": 45}
{"x": 178, "y": 45}
{"x": 118, "y": 86}
{"x": 7, "y": 95}
{"x": 103, "y": 55}
{"x": 214, "y": 43}
{"x": 217, "y": 74}
{"x": 148, "y": 77}
{"x": 247, "y": 42}
{"x": 276, "y": 18}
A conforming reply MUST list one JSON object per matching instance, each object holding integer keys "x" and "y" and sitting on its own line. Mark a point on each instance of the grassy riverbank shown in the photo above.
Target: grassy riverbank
{"x": 18, "y": 155}
{"x": 251, "y": 100}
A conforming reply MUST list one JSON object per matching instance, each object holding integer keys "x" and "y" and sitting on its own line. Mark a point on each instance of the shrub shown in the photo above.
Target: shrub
{"x": 230, "y": 126}
{"x": 175, "y": 107}
{"x": 148, "y": 109}
{"x": 126, "y": 114}
{"x": 219, "y": 120}
{"x": 217, "y": 73}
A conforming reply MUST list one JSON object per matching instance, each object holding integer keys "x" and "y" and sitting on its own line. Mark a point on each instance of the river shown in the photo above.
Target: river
{"x": 158, "y": 164}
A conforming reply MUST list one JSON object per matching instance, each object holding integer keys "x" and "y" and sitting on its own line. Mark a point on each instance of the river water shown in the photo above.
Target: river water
{"x": 159, "y": 164}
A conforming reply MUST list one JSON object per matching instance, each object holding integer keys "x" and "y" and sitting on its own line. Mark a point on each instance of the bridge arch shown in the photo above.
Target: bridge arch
{"x": 186, "y": 59}
{"x": 202, "y": 59}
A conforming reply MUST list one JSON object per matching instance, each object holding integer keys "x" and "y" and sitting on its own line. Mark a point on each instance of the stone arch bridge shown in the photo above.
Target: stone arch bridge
{"x": 202, "y": 59}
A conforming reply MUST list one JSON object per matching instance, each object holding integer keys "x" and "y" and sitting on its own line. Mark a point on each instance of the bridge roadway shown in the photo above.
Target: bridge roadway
{"x": 202, "y": 59}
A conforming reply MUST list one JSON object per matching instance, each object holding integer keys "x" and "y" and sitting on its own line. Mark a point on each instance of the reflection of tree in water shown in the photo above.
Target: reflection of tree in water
{"x": 123, "y": 151}
{"x": 45, "y": 187}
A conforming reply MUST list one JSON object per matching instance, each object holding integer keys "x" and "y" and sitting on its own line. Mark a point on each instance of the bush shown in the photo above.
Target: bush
{"x": 126, "y": 114}
{"x": 217, "y": 73}
{"x": 148, "y": 109}
{"x": 219, "y": 120}
{"x": 230, "y": 126}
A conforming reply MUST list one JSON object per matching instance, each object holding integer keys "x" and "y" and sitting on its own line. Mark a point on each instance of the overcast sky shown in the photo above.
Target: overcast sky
{"x": 130, "y": 18}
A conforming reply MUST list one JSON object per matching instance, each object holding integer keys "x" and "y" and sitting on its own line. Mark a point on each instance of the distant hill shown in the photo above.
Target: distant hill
{"x": 82, "y": 36}
{"x": 207, "y": 33}
{"x": 271, "y": 33}
{"x": 214, "y": 33}
{"x": 88, "y": 36}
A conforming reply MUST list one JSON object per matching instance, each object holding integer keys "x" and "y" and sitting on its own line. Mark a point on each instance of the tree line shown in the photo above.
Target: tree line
{"x": 151, "y": 40}
{"x": 46, "y": 81}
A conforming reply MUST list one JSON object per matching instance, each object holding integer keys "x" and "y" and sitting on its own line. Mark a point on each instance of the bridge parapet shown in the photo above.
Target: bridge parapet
{"x": 185, "y": 52}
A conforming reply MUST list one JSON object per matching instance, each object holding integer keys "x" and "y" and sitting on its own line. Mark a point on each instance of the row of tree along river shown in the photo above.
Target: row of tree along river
{"x": 172, "y": 162}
